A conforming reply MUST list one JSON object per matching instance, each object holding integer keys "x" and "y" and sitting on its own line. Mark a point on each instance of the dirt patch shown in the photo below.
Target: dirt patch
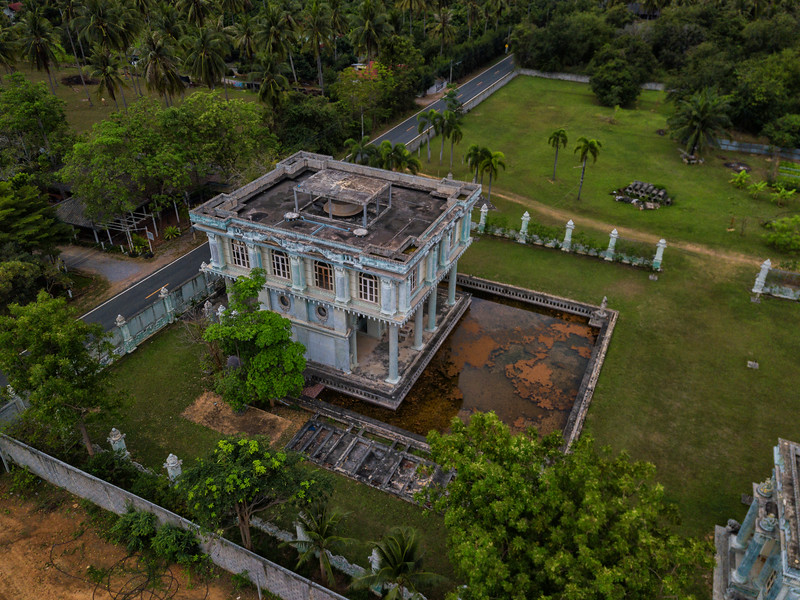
{"x": 47, "y": 555}
{"x": 738, "y": 166}
{"x": 211, "y": 411}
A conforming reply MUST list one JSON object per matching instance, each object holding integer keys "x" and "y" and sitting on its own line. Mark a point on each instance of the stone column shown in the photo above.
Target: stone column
{"x": 747, "y": 527}
{"x": 388, "y": 297}
{"x": 208, "y": 310}
{"x": 418, "y": 325}
{"x": 164, "y": 295}
{"x": 117, "y": 440}
{"x": 432, "y": 269}
{"x": 253, "y": 255}
{"x": 444, "y": 249}
{"x": 404, "y": 296}
{"x": 662, "y": 244}
{"x": 612, "y": 241}
{"x": 742, "y": 573}
{"x": 127, "y": 340}
{"x": 432, "y": 311}
{"x": 466, "y": 225}
{"x": 451, "y": 284}
{"x": 393, "y": 352}
{"x": 523, "y": 232}
{"x": 771, "y": 565}
{"x": 298, "y": 274}
{"x": 173, "y": 467}
{"x": 566, "y": 245}
{"x": 217, "y": 259}
{"x": 758, "y": 287}
{"x": 482, "y": 222}
{"x": 341, "y": 284}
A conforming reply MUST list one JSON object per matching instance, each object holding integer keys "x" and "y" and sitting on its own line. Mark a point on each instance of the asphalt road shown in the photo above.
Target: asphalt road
{"x": 143, "y": 293}
{"x": 407, "y": 130}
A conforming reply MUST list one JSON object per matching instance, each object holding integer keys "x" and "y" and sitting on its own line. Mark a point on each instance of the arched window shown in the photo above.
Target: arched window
{"x": 368, "y": 287}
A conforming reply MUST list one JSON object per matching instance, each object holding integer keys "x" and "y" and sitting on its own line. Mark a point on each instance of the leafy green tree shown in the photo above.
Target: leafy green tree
{"x": 698, "y": 119}
{"x": 784, "y": 131}
{"x": 39, "y": 43}
{"x": 272, "y": 364}
{"x": 449, "y": 122}
{"x": 317, "y": 30}
{"x": 740, "y": 179}
{"x": 412, "y": 6}
{"x": 780, "y": 195}
{"x": 278, "y": 33}
{"x": 586, "y": 148}
{"x": 557, "y": 139}
{"x": 401, "y": 561}
{"x": 53, "y": 358}
{"x": 525, "y": 520}
{"x": 491, "y": 164}
{"x": 27, "y": 222}
{"x": 320, "y": 523}
{"x": 614, "y": 83}
{"x": 240, "y": 477}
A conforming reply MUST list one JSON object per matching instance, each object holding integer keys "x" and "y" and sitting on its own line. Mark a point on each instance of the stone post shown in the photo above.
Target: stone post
{"x": 164, "y": 295}
{"x": 173, "y": 467}
{"x": 220, "y": 313}
{"x": 466, "y": 226}
{"x": 208, "y": 310}
{"x": 117, "y": 441}
{"x": 341, "y": 284}
{"x": 742, "y": 573}
{"x": 388, "y": 297}
{"x": 747, "y": 527}
{"x": 612, "y": 242}
{"x": 662, "y": 244}
{"x": 217, "y": 261}
{"x": 127, "y": 339}
{"x": 523, "y": 232}
{"x": 566, "y": 245}
{"x": 482, "y": 222}
{"x": 418, "y": 325}
{"x": 758, "y": 287}
{"x": 451, "y": 284}
{"x": 394, "y": 331}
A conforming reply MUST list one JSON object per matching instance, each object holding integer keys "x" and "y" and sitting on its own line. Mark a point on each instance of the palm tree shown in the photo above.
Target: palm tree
{"x": 369, "y": 27}
{"x": 587, "y": 147}
{"x": 473, "y": 11}
{"x": 105, "y": 67}
{"x": 320, "y": 523}
{"x": 169, "y": 21}
{"x": 449, "y": 121}
{"x": 277, "y": 33}
{"x": 491, "y": 165}
{"x": 9, "y": 47}
{"x": 194, "y": 11}
{"x": 317, "y": 30}
{"x": 38, "y": 42}
{"x": 397, "y": 158}
{"x": 400, "y": 565}
{"x": 698, "y": 119}
{"x": 159, "y": 65}
{"x": 273, "y": 81}
{"x": 360, "y": 151}
{"x": 475, "y": 156}
{"x": 100, "y": 22}
{"x": 438, "y": 129}
{"x": 412, "y": 6}
{"x": 456, "y": 135}
{"x": 425, "y": 122}
{"x": 204, "y": 58}
{"x": 443, "y": 28}
{"x": 557, "y": 139}
{"x": 339, "y": 24}
{"x": 244, "y": 34}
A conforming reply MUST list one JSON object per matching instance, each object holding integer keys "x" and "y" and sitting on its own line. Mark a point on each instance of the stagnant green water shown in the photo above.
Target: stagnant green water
{"x": 503, "y": 356}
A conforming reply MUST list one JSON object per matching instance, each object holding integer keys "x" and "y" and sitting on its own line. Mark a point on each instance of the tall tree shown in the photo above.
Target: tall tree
{"x": 277, "y": 33}
{"x": 370, "y": 26}
{"x": 243, "y": 35}
{"x": 273, "y": 82}
{"x": 100, "y": 22}
{"x": 339, "y": 24}
{"x": 67, "y": 19}
{"x": 525, "y": 520}
{"x": 205, "y": 57}
{"x": 316, "y": 26}
{"x": 360, "y": 151}
{"x": 448, "y": 123}
{"x": 107, "y": 69}
{"x": 396, "y": 157}
{"x": 492, "y": 165}
{"x": 9, "y": 46}
{"x": 28, "y": 224}
{"x": 53, "y": 358}
{"x": 586, "y": 148}
{"x": 39, "y": 43}
{"x": 412, "y": 6}
{"x": 425, "y": 125}
{"x": 195, "y": 11}
{"x": 240, "y": 477}
{"x": 443, "y": 28}
{"x": 159, "y": 65}
{"x": 557, "y": 139}
{"x": 698, "y": 119}
{"x": 456, "y": 135}
{"x": 475, "y": 156}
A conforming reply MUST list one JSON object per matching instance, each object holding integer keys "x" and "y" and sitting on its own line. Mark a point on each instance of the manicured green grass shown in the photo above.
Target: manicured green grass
{"x": 675, "y": 388}
{"x": 519, "y": 118}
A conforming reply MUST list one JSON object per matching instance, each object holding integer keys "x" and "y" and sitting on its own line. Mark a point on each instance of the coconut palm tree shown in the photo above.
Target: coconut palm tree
{"x": 400, "y": 565}
{"x": 396, "y": 157}
{"x": 339, "y": 24}
{"x": 438, "y": 123}
{"x": 204, "y": 60}
{"x": 273, "y": 82}
{"x": 360, "y": 151}
{"x": 159, "y": 65}
{"x": 370, "y": 26}
{"x": 698, "y": 119}
{"x": 194, "y": 11}
{"x": 456, "y": 134}
{"x": 443, "y": 28}
{"x": 100, "y": 22}
{"x": 412, "y": 6}
{"x": 169, "y": 21}
{"x": 587, "y": 147}
{"x": 38, "y": 43}
{"x": 316, "y": 28}
{"x": 473, "y": 10}
{"x": 244, "y": 35}
{"x": 491, "y": 164}
{"x": 106, "y": 68}
{"x": 557, "y": 139}
{"x": 277, "y": 33}
{"x": 425, "y": 121}
{"x": 320, "y": 523}
{"x": 9, "y": 47}
{"x": 475, "y": 156}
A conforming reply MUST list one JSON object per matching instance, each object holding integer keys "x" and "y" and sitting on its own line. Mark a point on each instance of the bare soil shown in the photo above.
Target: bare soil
{"x": 49, "y": 550}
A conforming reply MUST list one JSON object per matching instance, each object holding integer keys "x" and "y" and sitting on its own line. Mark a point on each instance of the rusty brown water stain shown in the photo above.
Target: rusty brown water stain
{"x": 524, "y": 365}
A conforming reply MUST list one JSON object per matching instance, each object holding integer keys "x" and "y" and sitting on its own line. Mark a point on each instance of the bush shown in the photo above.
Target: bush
{"x": 176, "y": 544}
{"x": 614, "y": 84}
{"x": 172, "y": 233}
{"x": 784, "y": 234}
{"x": 135, "y": 529}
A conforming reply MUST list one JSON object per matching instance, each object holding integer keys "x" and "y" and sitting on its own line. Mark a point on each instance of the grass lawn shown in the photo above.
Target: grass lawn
{"x": 519, "y": 118}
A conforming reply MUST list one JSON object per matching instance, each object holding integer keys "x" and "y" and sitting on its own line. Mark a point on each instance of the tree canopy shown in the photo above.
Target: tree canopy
{"x": 525, "y": 520}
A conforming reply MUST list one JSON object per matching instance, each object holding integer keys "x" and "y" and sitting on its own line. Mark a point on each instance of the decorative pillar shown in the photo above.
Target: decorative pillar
{"x": 220, "y": 312}
{"x": 173, "y": 467}
{"x": 771, "y": 565}
{"x": 217, "y": 261}
{"x": 341, "y": 284}
{"x": 566, "y": 245}
{"x": 482, "y": 222}
{"x": 127, "y": 340}
{"x": 117, "y": 440}
{"x": 404, "y": 296}
{"x": 298, "y": 274}
{"x": 612, "y": 241}
{"x": 747, "y": 527}
{"x": 762, "y": 276}
{"x": 523, "y": 232}
{"x": 430, "y": 268}
{"x": 451, "y": 284}
{"x": 742, "y": 573}
{"x": 253, "y": 255}
{"x": 432, "y": 311}
{"x": 393, "y": 352}
{"x": 208, "y": 310}
{"x": 466, "y": 226}
{"x": 164, "y": 295}
{"x": 444, "y": 249}
{"x": 418, "y": 318}
{"x": 388, "y": 297}
{"x": 662, "y": 244}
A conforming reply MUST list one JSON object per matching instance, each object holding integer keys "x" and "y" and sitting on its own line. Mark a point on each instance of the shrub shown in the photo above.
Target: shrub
{"x": 135, "y": 529}
{"x": 784, "y": 234}
{"x": 175, "y": 544}
{"x": 172, "y": 232}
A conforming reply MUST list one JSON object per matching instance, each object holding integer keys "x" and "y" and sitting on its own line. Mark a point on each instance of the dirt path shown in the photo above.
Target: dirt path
{"x": 633, "y": 234}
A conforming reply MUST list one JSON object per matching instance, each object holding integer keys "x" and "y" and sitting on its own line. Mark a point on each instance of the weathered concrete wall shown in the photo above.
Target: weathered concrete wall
{"x": 580, "y": 78}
